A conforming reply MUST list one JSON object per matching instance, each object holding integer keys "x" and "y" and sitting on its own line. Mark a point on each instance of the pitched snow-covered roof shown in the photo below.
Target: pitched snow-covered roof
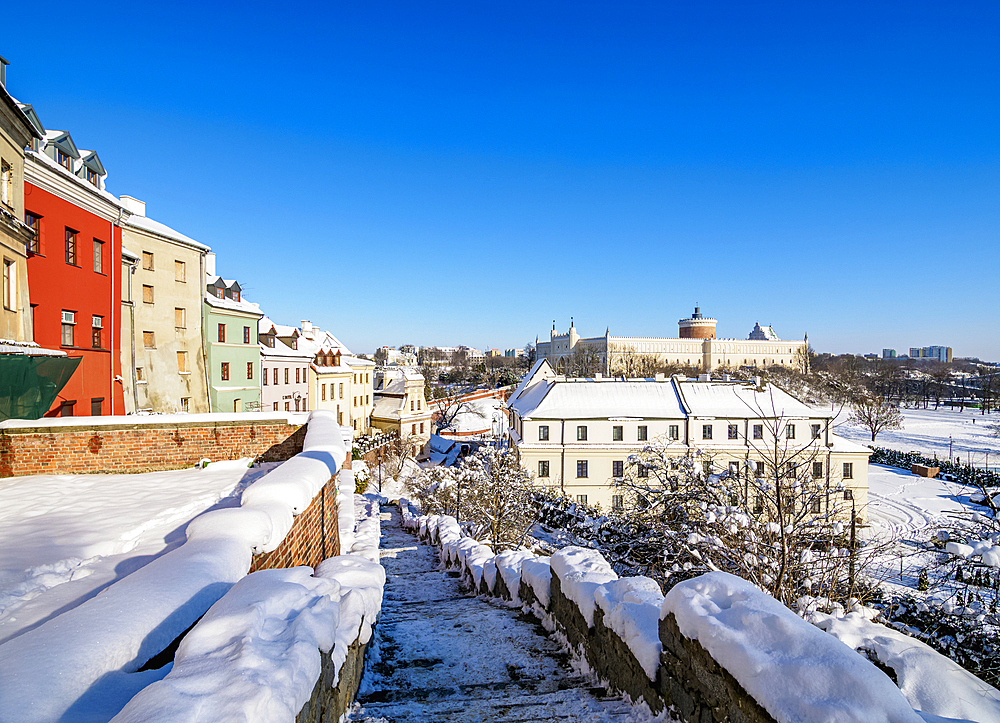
{"x": 281, "y": 349}
{"x": 388, "y": 407}
{"x": 145, "y": 223}
{"x": 600, "y": 399}
{"x": 740, "y": 400}
{"x": 231, "y": 305}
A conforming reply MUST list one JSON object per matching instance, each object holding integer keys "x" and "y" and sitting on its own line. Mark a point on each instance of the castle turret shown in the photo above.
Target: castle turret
{"x": 697, "y": 326}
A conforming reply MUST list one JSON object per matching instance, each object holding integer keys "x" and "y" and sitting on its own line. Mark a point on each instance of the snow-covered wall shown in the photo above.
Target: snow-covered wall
{"x": 83, "y": 664}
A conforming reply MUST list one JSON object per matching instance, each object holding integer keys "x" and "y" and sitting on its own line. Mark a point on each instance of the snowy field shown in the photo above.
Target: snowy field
{"x": 927, "y": 431}
{"x": 68, "y": 537}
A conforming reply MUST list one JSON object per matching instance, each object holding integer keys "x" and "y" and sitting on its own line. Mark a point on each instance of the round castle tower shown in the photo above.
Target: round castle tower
{"x": 698, "y": 326}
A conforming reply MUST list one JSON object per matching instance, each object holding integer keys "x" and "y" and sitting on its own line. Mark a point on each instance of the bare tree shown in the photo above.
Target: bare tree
{"x": 447, "y": 410}
{"x": 499, "y": 500}
{"x": 875, "y": 413}
{"x": 583, "y": 362}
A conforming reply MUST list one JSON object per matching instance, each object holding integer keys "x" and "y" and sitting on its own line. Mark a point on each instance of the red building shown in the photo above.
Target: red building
{"x": 74, "y": 271}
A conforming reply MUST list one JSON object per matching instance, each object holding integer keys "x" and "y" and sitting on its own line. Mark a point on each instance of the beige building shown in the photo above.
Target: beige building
{"x": 577, "y": 434}
{"x": 696, "y": 346}
{"x": 163, "y": 331}
{"x": 401, "y": 407}
{"x": 16, "y": 132}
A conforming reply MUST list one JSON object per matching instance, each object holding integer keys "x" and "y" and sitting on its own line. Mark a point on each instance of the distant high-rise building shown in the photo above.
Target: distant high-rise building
{"x": 937, "y": 353}
{"x": 888, "y": 353}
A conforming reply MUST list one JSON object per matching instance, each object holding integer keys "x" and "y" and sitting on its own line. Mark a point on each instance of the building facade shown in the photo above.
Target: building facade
{"x": 577, "y": 435}
{"x": 696, "y": 346}
{"x": 284, "y": 374}
{"x": 232, "y": 350}
{"x": 401, "y": 406}
{"x": 163, "y": 333}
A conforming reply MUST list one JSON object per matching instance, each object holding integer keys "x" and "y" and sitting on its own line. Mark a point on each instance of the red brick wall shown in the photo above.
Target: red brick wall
{"x": 142, "y": 447}
{"x": 314, "y": 535}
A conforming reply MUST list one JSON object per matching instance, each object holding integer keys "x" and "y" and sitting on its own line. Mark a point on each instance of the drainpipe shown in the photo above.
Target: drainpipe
{"x": 131, "y": 313}
{"x": 562, "y": 461}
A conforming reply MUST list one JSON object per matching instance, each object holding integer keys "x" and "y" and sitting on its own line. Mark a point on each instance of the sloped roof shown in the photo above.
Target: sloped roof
{"x": 231, "y": 305}
{"x": 740, "y": 399}
{"x": 144, "y": 223}
{"x": 600, "y": 399}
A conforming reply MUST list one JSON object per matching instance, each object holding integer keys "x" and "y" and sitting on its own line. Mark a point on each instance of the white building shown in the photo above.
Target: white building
{"x": 577, "y": 434}
{"x": 401, "y": 406}
{"x": 284, "y": 378}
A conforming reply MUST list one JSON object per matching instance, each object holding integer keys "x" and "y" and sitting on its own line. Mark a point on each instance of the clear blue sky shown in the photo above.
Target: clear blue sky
{"x": 465, "y": 173}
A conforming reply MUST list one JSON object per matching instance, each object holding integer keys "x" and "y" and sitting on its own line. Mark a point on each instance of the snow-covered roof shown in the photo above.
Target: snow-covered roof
{"x": 845, "y": 445}
{"x": 281, "y": 349}
{"x": 231, "y": 305}
{"x": 600, "y": 399}
{"x": 388, "y": 407}
{"x": 144, "y": 223}
{"x": 29, "y": 348}
{"x": 740, "y": 399}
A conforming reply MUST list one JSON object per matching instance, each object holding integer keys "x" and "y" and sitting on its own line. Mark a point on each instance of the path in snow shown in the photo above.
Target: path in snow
{"x": 444, "y": 656}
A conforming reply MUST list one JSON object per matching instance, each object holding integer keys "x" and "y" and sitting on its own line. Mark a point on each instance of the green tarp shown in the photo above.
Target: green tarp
{"x": 29, "y": 384}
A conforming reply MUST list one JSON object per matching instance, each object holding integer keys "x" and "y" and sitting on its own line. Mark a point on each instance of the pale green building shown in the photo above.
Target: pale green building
{"x": 230, "y": 325}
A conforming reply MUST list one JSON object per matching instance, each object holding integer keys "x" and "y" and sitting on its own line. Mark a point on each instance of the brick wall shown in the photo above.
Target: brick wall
{"x": 314, "y": 535}
{"x": 138, "y": 445}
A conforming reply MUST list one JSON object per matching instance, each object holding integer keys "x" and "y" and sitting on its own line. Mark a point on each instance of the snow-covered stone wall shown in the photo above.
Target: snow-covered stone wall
{"x": 99, "y": 445}
{"x": 715, "y": 648}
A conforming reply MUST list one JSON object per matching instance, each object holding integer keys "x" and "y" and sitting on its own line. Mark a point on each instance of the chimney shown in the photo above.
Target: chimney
{"x": 3, "y": 71}
{"x": 134, "y": 205}
{"x": 210, "y": 263}
{"x": 704, "y": 377}
{"x": 307, "y": 329}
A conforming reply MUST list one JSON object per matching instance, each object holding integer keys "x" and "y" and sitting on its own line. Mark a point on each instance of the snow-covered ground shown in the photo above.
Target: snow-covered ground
{"x": 479, "y": 415}
{"x": 928, "y": 431}
{"x": 67, "y": 537}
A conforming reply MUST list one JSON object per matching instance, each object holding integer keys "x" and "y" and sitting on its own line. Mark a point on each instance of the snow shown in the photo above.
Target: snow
{"x": 81, "y": 661}
{"x": 508, "y": 564}
{"x": 631, "y": 608}
{"x": 794, "y": 670}
{"x": 537, "y": 573}
{"x": 581, "y": 572}
{"x": 254, "y": 656}
{"x": 590, "y": 399}
{"x": 932, "y": 683}
{"x": 740, "y": 399}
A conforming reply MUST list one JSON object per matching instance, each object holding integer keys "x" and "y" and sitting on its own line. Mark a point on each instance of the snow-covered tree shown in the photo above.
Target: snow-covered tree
{"x": 875, "y": 413}
{"x": 498, "y": 498}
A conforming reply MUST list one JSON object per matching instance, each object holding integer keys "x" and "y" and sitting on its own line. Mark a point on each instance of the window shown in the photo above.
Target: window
{"x": 180, "y": 318}
{"x": 225, "y": 371}
{"x": 66, "y": 408}
{"x": 734, "y": 431}
{"x": 147, "y": 294}
{"x": 413, "y": 429}
{"x": 674, "y": 431}
{"x": 222, "y": 333}
{"x": 706, "y": 431}
{"x": 296, "y": 375}
{"x": 147, "y": 260}
{"x": 6, "y": 184}
{"x": 9, "y": 284}
{"x": 617, "y": 502}
{"x": 276, "y": 407}
{"x": 848, "y": 470}
{"x": 420, "y": 404}
{"x": 249, "y": 370}
{"x": 288, "y": 406}
{"x": 412, "y": 405}
{"x": 642, "y": 433}
{"x": 98, "y": 256}
{"x": 760, "y": 468}
{"x": 220, "y": 293}
{"x": 581, "y": 433}
{"x": 642, "y": 470}
{"x": 96, "y": 406}
{"x": 581, "y": 468}
{"x": 355, "y": 401}
{"x": 180, "y": 271}
{"x": 367, "y": 400}
{"x": 182, "y": 362}
{"x": 246, "y": 334}
{"x": 789, "y": 431}
{"x": 68, "y": 322}
{"x": 734, "y": 469}
{"x": 421, "y": 427}
{"x": 96, "y": 325}
{"x": 185, "y": 404}
{"x": 35, "y": 224}
{"x": 322, "y": 390}
{"x": 543, "y": 468}
{"x": 286, "y": 375}
{"x": 758, "y": 431}
{"x": 543, "y": 433}
{"x": 276, "y": 375}
{"x": 70, "y": 247}
{"x": 817, "y": 470}
{"x": 848, "y": 494}
{"x": 815, "y": 431}
{"x": 66, "y": 162}
{"x": 581, "y": 499}
{"x": 758, "y": 504}
{"x": 263, "y": 377}
{"x": 341, "y": 390}
{"x": 617, "y": 468}
{"x": 140, "y": 375}
{"x": 707, "y": 466}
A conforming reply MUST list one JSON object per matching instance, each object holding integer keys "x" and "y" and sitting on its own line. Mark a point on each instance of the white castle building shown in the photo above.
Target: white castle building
{"x": 696, "y": 346}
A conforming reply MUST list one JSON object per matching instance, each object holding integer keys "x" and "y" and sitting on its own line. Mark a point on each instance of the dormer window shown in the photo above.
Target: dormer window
{"x": 64, "y": 160}
{"x": 236, "y": 295}
{"x": 220, "y": 293}
{"x": 93, "y": 178}
{"x": 270, "y": 341}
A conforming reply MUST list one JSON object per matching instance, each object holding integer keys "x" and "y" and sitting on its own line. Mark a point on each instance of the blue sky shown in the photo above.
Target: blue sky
{"x": 446, "y": 173}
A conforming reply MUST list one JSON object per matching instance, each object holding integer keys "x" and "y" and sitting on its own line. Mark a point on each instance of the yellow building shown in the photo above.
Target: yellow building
{"x": 577, "y": 434}
{"x": 401, "y": 407}
{"x": 338, "y": 380}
